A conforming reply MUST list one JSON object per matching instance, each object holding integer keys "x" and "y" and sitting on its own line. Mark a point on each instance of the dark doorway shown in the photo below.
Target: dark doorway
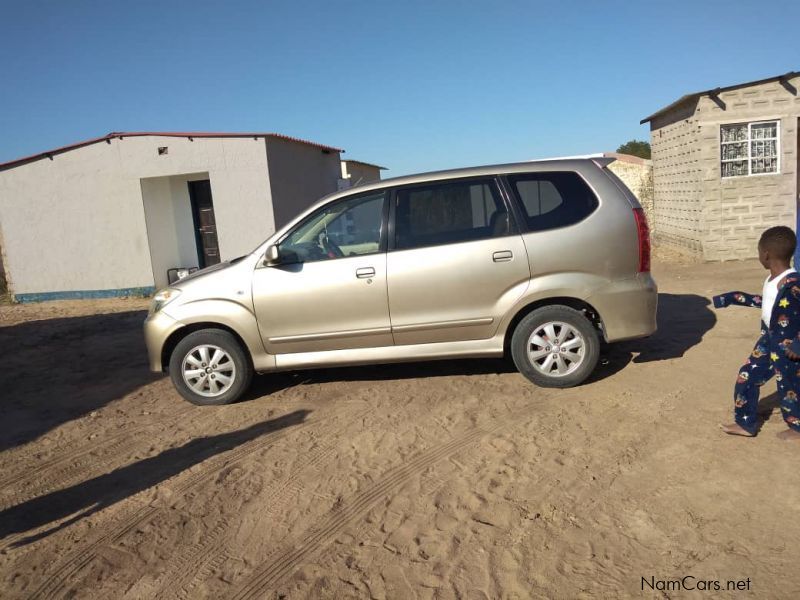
{"x": 205, "y": 225}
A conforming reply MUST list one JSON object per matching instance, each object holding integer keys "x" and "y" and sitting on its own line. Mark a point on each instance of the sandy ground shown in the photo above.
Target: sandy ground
{"x": 454, "y": 479}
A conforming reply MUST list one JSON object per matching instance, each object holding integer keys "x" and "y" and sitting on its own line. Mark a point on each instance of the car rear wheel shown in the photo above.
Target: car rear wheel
{"x": 555, "y": 346}
{"x": 210, "y": 367}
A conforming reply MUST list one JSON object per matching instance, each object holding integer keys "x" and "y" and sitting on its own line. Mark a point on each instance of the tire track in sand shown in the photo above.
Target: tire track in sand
{"x": 38, "y": 478}
{"x": 183, "y": 575}
{"x": 271, "y": 573}
{"x": 58, "y": 580}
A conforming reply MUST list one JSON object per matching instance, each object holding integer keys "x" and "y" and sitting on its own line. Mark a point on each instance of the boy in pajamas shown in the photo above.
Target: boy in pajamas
{"x": 777, "y": 351}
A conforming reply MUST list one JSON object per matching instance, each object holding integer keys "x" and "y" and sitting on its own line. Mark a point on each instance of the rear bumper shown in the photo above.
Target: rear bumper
{"x": 157, "y": 328}
{"x": 628, "y": 308}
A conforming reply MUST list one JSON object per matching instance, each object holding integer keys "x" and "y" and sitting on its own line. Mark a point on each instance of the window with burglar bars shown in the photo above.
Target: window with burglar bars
{"x": 749, "y": 148}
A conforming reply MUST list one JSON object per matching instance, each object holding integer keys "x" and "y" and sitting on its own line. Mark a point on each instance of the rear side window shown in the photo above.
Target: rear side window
{"x": 449, "y": 213}
{"x": 551, "y": 200}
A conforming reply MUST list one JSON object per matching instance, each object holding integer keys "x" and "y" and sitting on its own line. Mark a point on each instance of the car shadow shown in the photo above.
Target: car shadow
{"x": 69, "y": 367}
{"x": 683, "y": 320}
{"x": 88, "y": 497}
{"x": 57, "y": 370}
{"x": 269, "y": 383}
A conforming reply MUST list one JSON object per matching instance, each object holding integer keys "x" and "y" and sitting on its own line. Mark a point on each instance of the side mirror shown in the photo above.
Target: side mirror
{"x": 273, "y": 255}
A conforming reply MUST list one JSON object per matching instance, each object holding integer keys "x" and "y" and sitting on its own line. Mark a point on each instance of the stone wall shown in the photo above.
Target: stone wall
{"x": 637, "y": 174}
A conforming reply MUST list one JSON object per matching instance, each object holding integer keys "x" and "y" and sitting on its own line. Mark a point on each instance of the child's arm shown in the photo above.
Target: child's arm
{"x": 789, "y": 316}
{"x": 739, "y": 298}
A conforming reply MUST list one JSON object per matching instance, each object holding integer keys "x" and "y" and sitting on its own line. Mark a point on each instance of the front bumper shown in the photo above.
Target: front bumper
{"x": 628, "y": 308}
{"x": 157, "y": 329}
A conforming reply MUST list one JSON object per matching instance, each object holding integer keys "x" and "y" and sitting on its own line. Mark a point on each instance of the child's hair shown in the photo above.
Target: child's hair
{"x": 780, "y": 241}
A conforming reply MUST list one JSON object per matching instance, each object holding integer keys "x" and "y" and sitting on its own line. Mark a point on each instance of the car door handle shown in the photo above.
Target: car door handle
{"x": 502, "y": 256}
{"x": 365, "y": 272}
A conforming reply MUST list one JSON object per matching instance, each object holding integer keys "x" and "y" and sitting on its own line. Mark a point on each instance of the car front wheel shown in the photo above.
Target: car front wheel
{"x": 555, "y": 346}
{"x": 210, "y": 367}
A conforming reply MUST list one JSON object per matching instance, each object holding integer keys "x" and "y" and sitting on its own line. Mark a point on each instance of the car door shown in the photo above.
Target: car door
{"x": 328, "y": 291}
{"x": 456, "y": 261}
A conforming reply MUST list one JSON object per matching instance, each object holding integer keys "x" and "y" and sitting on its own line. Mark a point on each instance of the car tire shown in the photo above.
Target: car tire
{"x": 538, "y": 353}
{"x": 210, "y": 367}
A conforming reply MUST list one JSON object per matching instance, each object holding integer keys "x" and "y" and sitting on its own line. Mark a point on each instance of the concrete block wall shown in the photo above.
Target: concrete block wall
{"x": 736, "y": 210}
{"x": 676, "y": 184}
{"x": 695, "y": 208}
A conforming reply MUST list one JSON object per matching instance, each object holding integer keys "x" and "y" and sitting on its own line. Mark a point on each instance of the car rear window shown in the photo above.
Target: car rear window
{"x": 551, "y": 200}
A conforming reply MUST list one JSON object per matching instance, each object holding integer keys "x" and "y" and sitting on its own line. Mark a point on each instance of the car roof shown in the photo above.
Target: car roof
{"x": 580, "y": 164}
{"x": 518, "y": 167}
{"x": 557, "y": 164}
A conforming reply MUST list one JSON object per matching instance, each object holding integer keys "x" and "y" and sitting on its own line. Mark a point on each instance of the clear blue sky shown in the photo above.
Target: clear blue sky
{"x": 410, "y": 85}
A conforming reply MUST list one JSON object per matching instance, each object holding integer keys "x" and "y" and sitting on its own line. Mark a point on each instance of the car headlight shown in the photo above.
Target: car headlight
{"x": 162, "y": 298}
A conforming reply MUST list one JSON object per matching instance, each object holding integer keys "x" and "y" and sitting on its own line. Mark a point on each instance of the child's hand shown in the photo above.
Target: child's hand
{"x": 792, "y": 356}
{"x": 720, "y": 301}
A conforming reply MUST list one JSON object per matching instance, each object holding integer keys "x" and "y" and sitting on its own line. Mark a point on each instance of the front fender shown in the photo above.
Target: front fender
{"x": 230, "y": 314}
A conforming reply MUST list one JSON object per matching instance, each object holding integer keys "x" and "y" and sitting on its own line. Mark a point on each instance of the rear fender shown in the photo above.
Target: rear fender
{"x": 578, "y": 286}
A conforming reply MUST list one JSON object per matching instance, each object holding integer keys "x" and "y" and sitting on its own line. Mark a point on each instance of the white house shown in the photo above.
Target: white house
{"x": 356, "y": 172}
{"x": 112, "y": 215}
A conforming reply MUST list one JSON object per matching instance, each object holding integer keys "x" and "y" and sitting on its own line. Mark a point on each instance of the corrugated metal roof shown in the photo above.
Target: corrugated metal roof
{"x": 184, "y": 134}
{"x": 718, "y": 90}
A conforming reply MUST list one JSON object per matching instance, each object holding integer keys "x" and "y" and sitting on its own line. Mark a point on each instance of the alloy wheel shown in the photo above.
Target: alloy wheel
{"x": 208, "y": 370}
{"x": 556, "y": 349}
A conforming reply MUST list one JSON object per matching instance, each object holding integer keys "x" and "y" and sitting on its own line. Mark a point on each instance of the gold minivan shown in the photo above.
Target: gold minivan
{"x": 540, "y": 260}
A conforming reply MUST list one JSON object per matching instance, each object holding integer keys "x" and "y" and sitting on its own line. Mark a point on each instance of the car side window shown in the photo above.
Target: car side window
{"x": 552, "y": 200}
{"x": 448, "y": 213}
{"x": 350, "y": 227}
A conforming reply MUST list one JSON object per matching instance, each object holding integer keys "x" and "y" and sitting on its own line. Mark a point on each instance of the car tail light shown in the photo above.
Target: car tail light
{"x": 643, "y": 230}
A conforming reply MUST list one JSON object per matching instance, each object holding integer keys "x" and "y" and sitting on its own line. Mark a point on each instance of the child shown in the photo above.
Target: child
{"x": 777, "y": 351}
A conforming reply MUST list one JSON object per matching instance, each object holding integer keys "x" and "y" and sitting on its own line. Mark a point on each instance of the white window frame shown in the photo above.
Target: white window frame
{"x": 749, "y": 141}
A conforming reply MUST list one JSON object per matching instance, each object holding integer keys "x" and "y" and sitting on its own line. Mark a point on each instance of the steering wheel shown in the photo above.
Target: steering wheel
{"x": 330, "y": 247}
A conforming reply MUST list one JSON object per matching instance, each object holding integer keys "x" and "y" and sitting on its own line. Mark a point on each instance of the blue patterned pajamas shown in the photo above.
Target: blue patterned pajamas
{"x": 759, "y": 369}
{"x": 769, "y": 358}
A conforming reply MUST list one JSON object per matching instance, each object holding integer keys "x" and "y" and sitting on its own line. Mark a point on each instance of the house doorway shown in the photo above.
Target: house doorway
{"x": 205, "y": 225}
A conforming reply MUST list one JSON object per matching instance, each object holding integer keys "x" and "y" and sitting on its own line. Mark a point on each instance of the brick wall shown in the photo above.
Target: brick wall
{"x": 716, "y": 218}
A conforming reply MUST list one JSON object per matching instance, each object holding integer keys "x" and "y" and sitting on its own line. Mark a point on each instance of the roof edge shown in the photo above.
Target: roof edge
{"x": 361, "y": 162}
{"x": 718, "y": 90}
{"x": 181, "y": 134}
